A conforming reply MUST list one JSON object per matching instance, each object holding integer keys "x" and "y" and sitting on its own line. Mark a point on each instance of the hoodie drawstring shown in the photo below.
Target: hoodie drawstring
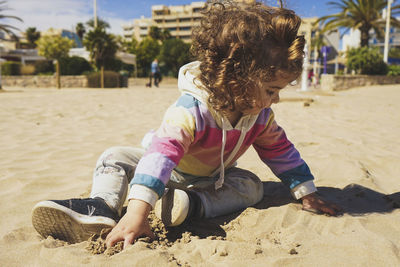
{"x": 220, "y": 181}
{"x": 243, "y": 131}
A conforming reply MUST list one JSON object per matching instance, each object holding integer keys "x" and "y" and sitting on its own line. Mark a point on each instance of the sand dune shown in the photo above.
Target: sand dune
{"x": 50, "y": 141}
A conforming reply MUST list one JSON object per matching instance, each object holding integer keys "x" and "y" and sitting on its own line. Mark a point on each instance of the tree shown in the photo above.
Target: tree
{"x": 146, "y": 52}
{"x": 363, "y": 15}
{"x": 174, "y": 53}
{"x": 129, "y": 46}
{"x": 102, "y": 47}
{"x": 32, "y": 36}
{"x": 155, "y": 33}
{"x": 366, "y": 60}
{"x": 55, "y": 47}
{"x": 80, "y": 30}
{"x": 5, "y": 27}
{"x": 100, "y": 23}
{"x": 165, "y": 35}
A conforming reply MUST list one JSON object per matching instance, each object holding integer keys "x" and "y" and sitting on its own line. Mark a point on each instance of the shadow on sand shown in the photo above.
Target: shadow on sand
{"x": 354, "y": 199}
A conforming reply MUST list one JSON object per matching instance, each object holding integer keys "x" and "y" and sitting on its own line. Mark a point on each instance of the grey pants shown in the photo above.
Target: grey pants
{"x": 116, "y": 167}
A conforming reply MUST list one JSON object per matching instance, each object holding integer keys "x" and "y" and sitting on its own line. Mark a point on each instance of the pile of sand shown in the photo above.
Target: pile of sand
{"x": 51, "y": 139}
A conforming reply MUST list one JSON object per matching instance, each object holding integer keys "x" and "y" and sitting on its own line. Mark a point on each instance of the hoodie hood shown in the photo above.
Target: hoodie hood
{"x": 188, "y": 84}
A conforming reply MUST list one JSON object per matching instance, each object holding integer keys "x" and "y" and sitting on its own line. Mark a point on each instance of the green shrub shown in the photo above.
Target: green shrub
{"x": 111, "y": 79}
{"x": 11, "y": 68}
{"x": 394, "y": 70}
{"x": 74, "y": 66}
{"x": 394, "y": 52}
{"x": 365, "y": 60}
{"x": 44, "y": 67}
{"x": 113, "y": 64}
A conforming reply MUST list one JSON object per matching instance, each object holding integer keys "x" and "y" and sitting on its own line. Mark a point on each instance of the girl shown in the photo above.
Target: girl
{"x": 246, "y": 54}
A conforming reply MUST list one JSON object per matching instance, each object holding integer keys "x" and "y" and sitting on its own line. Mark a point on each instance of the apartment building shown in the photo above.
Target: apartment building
{"x": 179, "y": 20}
{"x": 139, "y": 28}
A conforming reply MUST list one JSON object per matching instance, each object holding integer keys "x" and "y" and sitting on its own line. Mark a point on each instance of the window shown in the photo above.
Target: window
{"x": 195, "y": 10}
{"x": 184, "y": 20}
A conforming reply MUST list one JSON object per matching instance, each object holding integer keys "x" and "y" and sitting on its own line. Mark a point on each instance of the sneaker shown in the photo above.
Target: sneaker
{"x": 173, "y": 208}
{"x": 72, "y": 220}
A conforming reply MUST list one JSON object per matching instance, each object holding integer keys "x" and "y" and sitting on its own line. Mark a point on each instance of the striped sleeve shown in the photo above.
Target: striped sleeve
{"x": 170, "y": 142}
{"x": 276, "y": 151}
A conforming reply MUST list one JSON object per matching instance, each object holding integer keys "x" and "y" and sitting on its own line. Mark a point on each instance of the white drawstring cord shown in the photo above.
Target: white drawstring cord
{"x": 220, "y": 181}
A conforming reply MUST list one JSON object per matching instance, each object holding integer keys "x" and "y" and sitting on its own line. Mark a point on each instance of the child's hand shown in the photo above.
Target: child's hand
{"x": 314, "y": 203}
{"x": 132, "y": 225}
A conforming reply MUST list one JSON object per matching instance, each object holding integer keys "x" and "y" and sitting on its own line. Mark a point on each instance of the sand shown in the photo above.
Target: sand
{"x": 50, "y": 141}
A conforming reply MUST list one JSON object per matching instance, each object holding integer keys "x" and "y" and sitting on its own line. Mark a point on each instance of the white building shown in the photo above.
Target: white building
{"x": 351, "y": 40}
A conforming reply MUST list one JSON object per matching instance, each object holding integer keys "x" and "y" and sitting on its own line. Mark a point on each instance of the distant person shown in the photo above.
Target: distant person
{"x": 310, "y": 77}
{"x": 155, "y": 73}
{"x": 315, "y": 80}
{"x": 188, "y": 167}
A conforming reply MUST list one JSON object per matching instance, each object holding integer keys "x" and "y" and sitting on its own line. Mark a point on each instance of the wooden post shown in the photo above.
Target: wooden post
{"x": 102, "y": 76}
{"x": 58, "y": 74}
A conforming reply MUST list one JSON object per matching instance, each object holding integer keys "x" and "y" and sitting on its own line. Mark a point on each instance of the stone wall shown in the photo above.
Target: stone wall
{"x": 68, "y": 81}
{"x": 330, "y": 82}
{"x": 144, "y": 81}
{"x": 44, "y": 81}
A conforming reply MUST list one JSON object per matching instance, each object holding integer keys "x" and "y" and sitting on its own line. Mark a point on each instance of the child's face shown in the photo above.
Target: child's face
{"x": 268, "y": 94}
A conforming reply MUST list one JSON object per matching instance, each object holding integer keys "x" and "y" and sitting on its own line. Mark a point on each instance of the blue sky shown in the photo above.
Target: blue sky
{"x": 44, "y": 14}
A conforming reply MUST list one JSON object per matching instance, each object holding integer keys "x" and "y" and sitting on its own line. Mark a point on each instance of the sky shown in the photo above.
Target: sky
{"x": 65, "y": 14}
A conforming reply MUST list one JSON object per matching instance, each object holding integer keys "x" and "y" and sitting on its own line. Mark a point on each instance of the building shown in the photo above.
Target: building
{"x": 394, "y": 39}
{"x": 351, "y": 40}
{"x": 63, "y": 33}
{"x": 10, "y": 50}
{"x": 179, "y": 20}
{"x": 138, "y": 29}
{"x": 309, "y": 29}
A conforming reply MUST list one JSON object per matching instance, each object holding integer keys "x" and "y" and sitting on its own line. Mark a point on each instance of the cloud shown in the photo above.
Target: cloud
{"x": 45, "y": 14}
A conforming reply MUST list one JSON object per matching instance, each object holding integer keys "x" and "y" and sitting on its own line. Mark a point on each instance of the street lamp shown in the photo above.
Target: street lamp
{"x": 95, "y": 13}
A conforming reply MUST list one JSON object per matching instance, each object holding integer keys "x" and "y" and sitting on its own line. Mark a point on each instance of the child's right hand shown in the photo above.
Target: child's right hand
{"x": 132, "y": 225}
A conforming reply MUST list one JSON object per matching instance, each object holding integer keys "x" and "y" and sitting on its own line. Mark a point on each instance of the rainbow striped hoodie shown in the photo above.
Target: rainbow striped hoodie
{"x": 195, "y": 139}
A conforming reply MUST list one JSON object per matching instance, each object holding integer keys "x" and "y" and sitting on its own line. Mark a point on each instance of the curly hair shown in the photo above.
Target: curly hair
{"x": 240, "y": 46}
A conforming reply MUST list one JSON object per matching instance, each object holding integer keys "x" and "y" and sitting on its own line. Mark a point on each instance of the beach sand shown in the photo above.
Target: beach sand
{"x": 51, "y": 139}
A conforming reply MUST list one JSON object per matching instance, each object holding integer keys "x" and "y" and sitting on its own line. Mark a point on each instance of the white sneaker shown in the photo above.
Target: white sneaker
{"x": 173, "y": 208}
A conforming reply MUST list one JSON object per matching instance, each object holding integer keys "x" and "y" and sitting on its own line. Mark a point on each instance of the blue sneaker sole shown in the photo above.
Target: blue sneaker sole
{"x": 52, "y": 219}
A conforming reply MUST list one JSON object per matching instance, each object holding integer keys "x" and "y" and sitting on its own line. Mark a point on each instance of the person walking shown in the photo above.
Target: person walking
{"x": 155, "y": 73}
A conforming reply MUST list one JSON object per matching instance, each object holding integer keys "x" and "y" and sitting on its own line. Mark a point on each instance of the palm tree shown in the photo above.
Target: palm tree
{"x": 165, "y": 35}
{"x": 155, "y": 33}
{"x": 32, "y": 36}
{"x": 100, "y": 23}
{"x": 102, "y": 46}
{"x": 5, "y": 27}
{"x": 363, "y": 15}
{"x": 80, "y": 30}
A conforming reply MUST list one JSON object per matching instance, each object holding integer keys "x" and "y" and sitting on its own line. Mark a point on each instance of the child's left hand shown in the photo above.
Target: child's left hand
{"x": 314, "y": 203}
